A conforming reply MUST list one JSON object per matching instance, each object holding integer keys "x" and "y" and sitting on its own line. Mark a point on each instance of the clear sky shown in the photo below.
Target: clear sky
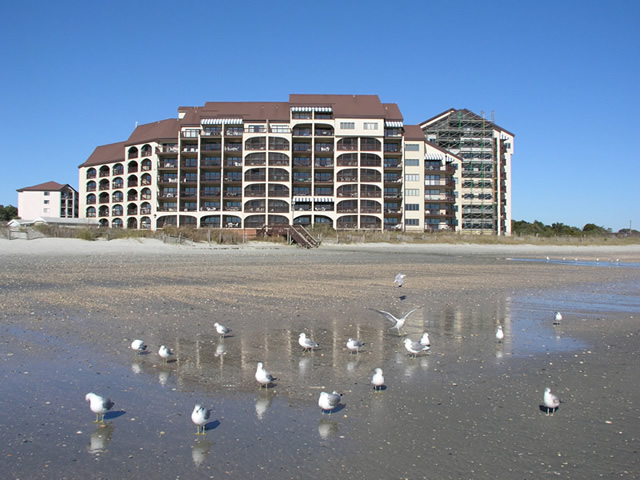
{"x": 563, "y": 76}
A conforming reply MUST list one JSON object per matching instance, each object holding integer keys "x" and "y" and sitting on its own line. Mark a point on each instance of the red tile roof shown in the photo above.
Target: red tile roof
{"x": 112, "y": 153}
{"x": 45, "y": 187}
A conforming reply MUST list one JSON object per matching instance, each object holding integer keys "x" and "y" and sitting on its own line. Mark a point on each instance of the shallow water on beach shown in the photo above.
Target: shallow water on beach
{"x": 468, "y": 409}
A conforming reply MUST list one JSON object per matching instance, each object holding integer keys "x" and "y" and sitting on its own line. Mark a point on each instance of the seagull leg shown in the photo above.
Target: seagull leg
{"x": 96, "y": 420}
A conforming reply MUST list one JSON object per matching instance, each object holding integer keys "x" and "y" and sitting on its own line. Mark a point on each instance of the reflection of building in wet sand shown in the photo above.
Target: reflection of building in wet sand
{"x": 231, "y": 362}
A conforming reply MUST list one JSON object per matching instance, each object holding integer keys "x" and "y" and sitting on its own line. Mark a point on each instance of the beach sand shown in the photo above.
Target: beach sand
{"x": 470, "y": 408}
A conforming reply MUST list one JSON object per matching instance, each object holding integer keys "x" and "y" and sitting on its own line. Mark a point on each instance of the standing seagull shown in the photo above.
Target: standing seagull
{"x": 354, "y": 344}
{"x": 99, "y": 405}
{"x": 557, "y": 319}
{"x": 399, "y": 279}
{"x": 377, "y": 379}
{"x": 499, "y": 334}
{"x": 399, "y": 322}
{"x": 221, "y": 329}
{"x": 165, "y": 353}
{"x": 306, "y": 343}
{"x": 551, "y": 401}
{"x": 199, "y": 416}
{"x": 424, "y": 340}
{"x": 138, "y": 346}
{"x": 328, "y": 401}
{"x": 263, "y": 377}
{"x": 414, "y": 347}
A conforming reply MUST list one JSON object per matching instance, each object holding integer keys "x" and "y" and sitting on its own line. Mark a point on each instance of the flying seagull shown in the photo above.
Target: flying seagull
{"x": 398, "y": 322}
{"x": 399, "y": 279}
{"x": 99, "y": 405}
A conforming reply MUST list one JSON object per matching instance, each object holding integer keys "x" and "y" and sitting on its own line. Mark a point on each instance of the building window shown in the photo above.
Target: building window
{"x": 412, "y": 192}
{"x": 412, "y": 162}
{"x": 46, "y": 194}
{"x": 412, "y": 207}
{"x": 347, "y": 125}
{"x": 412, "y": 177}
{"x": 412, "y": 147}
{"x": 412, "y": 221}
{"x": 46, "y": 202}
{"x": 371, "y": 125}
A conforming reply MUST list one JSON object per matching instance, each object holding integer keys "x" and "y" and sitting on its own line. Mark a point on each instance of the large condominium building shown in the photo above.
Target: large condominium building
{"x": 50, "y": 200}
{"x": 485, "y": 149}
{"x": 347, "y": 161}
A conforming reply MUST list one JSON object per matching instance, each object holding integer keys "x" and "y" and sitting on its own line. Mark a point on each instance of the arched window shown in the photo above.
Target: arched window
{"x": 104, "y": 171}
{"x": 132, "y": 209}
{"x": 103, "y": 211}
{"x": 145, "y": 194}
{"x": 132, "y": 223}
{"x": 146, "y": 151}
{"x": 118, "y": 169}
{"x": 132, "y": 167}
{"x": 116, "y": 223}
{"x": 132, "y": 195}
{"x": 145, "y": 223}
{"x": 117, "y": 182}
{"x": 117, "y": 210}
{"x": 91, "y": 173}
{"x": 146, "y": 165}
{"x": 103, "y": 198}
{"x": 132, "y": 181}
{"x": 91, "y": 199}
{"x": 133, "y": 153}
{"x": 145, "y": 208}
{"x": 91, "y": 186}
{"x": 91, "y": 212}
{"x": 104, "y": 184}
{"x": 145, "y": 179}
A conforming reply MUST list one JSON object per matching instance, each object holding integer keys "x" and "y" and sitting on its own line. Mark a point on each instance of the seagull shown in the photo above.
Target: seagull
{"x": 99, "y": 405}
{"x": 138, "y": 346}
{"x": 263, "y": 377}
{"x": 377, "y": 379}
{"x": 399, "y": 322}
{"x": 557, "y": 319}
{"x": 424, "y": 340}
{"x": 199, "y": 416}
{"x": 499, "y": 334}
{"x": 414, "y": 347}
{"x": 221, "y": 329}
{"x": 165, "y": 353}
{"x": 399, "y": 279}
{"x": 551, "y": 401}
{"x": 306, "y": 343}
{"x": 354, "y": 344}
{"x": 329, "y": 401}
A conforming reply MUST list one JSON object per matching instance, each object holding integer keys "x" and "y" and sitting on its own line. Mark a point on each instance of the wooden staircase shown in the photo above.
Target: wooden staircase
{"x": 294, "y": 233}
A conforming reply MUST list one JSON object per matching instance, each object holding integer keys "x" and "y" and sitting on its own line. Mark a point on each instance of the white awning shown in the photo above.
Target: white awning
{"x": 302, "y": 199}
{"x": 312, "y": 109}
{"x": 433, "y": 156}
{"x": 323, "y": 199}
{"x": 391, "y": 124}
{"x": 220, "y": 121}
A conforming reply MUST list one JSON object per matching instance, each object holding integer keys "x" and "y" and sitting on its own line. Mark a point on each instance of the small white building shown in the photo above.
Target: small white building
{"x": 50, "y": 199}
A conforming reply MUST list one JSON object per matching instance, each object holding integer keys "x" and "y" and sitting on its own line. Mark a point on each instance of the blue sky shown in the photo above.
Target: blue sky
{"x": 563, "y": 76}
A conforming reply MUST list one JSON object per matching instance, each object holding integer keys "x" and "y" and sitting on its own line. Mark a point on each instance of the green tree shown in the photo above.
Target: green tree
{"x": 8, "y": 213}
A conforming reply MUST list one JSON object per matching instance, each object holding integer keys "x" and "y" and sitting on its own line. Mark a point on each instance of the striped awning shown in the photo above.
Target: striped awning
{"x": 302, "y": 199}
{"x": 392, "y": 124}
{"x": 433, "y": 156}
{"x": 220, "y": 121}
{"x": 312, "y": 109}
{"x": 323, "y": 199}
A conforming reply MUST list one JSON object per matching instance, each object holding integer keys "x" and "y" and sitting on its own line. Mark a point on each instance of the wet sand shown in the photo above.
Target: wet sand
{"x": 468, "y": 409}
